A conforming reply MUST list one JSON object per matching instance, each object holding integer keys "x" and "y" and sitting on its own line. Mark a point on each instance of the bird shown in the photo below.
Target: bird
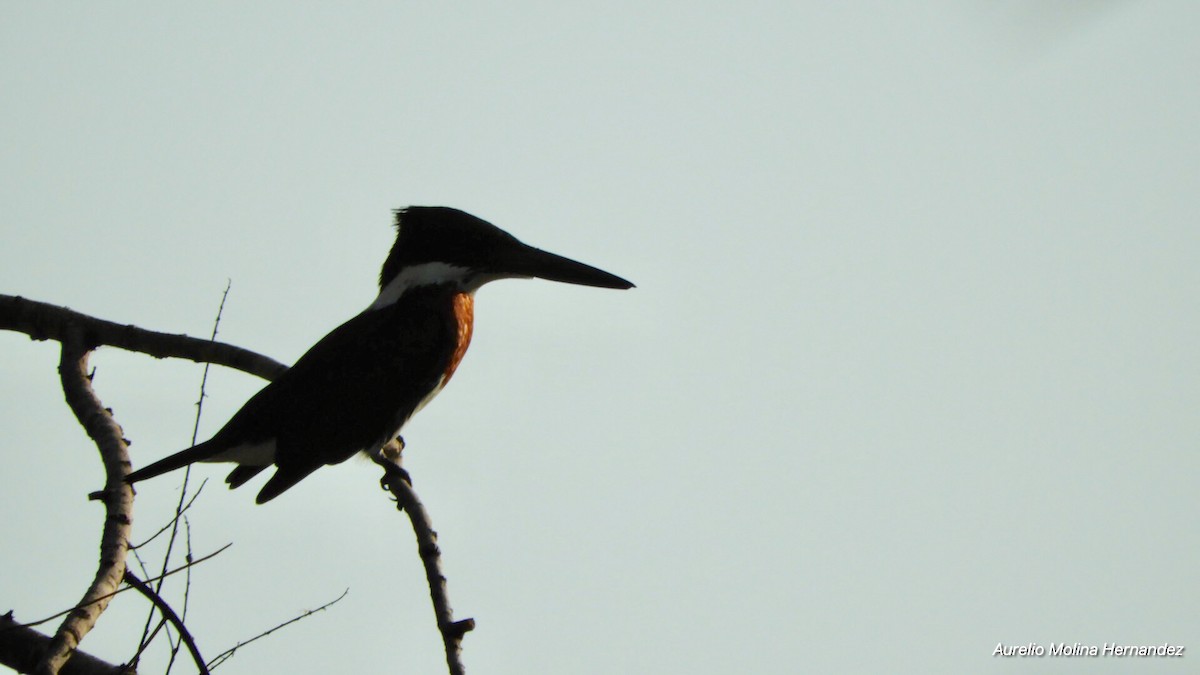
{"x": 354, "y": 389}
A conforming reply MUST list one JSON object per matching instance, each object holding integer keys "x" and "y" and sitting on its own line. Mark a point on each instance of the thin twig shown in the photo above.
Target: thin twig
{"x": 119, "y": 591}
{"x": 225, "y": 655}
{"x": 147, "y": 634}
{"x": 138, "y": 558}
{"x": 187, "y": 587}
{"x": 118, "y": 501}
{"x": 395, "y": 479}
{"x": 187, "y": 474}
{"x": 171, "y": 616}
{"x": 166, "y": 527}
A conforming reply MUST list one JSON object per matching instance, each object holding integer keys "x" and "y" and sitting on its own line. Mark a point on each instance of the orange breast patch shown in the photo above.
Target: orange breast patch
{"x": 464, "y": 315}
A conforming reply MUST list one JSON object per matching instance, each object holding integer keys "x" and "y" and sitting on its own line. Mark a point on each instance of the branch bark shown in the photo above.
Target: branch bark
{"x": 21, "y": 648}
{"x": 118, "y": 501}
{"x": 396, "y": 480}
{"x": 43, "y": 321}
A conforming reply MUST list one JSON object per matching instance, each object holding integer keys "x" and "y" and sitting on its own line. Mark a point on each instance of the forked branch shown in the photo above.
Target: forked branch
{"x": 79, "y": 335}
{"x": 118, "y": 501}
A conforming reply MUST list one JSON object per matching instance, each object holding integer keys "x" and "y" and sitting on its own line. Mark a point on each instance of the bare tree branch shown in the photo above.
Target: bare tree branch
{"x": 81, "y": 333}
{"x": 118, "y": 500}
{"x": 21, "y": 648}
{"x": 170, "y": 615}
{"x": 43, "y": 321}
{"x": 396, "y": 480}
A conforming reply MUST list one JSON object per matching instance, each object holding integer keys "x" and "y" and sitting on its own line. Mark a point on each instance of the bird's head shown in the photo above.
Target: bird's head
{"x": 436, "y": 244}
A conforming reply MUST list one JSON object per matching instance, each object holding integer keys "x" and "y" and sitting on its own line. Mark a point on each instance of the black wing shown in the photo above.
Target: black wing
{"x": 350, "y": 391}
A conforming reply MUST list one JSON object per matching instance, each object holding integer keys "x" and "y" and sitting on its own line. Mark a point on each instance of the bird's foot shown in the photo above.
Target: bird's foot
{"x": 392, "y": 450}
{"x": 391, "y": 471}
{"x": 389, "y": 457}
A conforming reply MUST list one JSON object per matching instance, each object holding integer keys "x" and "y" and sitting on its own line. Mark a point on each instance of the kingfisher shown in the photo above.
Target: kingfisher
{"x": 354, "y": 390}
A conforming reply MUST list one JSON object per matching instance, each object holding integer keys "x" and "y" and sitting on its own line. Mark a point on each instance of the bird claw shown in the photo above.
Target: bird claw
{"x": 404, "y": 475}
{"x": 390, "y": 471}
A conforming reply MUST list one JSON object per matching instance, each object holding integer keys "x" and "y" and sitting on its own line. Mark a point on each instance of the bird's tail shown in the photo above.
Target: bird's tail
{"x": 180, "y": 459}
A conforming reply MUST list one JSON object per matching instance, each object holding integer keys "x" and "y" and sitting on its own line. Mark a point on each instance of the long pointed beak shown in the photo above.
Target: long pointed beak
{"x": 534, "y": 262}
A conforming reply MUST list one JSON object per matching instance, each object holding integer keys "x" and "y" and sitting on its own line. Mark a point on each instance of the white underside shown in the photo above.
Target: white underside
{"x": 263, "y": 454}
{"x": 257, "y": 454}
{"x": 428, "y": 397}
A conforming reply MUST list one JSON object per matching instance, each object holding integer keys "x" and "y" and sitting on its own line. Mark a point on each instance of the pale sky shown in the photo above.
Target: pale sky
{"x": 911, "y": 369}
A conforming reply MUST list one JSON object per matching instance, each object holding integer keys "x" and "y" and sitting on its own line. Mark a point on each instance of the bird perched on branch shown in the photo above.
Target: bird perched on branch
{"x": 354, "y": 390}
